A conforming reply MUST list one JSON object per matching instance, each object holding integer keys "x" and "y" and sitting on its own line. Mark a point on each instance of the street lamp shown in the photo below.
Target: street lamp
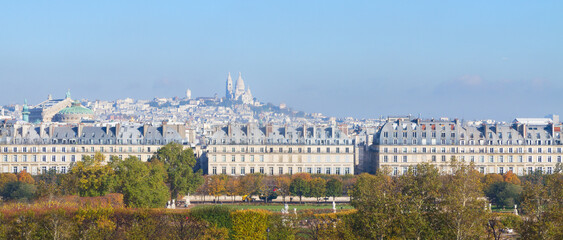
{"x": 268, "y": 231}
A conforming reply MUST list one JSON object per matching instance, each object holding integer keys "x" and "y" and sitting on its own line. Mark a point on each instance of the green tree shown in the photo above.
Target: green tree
{"x": 503, "y": 194}
{"x": 179, "y": 164}
{"x": 6, "y": 178}
{"x": 282, "y": 185}
{"x": 142, "y": 185}
{"x": 463, "y": 215}
{"x": 376, "y": 201}
{"x": 299, "y": 187}
{"x": 334, "y": 187}
{"x": 18, "y": 191}
{"x": 420, "y": 196}
{"x": 317, "y": 188}
{"x": 91, "y": 176}
{"x": 542, "y": 206}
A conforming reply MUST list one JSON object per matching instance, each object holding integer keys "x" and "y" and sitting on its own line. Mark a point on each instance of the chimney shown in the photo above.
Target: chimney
{"x": 314, "y": 131}
{"x": 164, "y": 128}
{"x": 249, "y": 125}
{"x": 556, "y": 119}
{"x": 145, "y": 129}
{"x": 344, "y": 129}
{"x": 117, "y": 129}
{"x": 42, "y": 131}
{"x": 304, "y": 130}
{"x": 79, "y": 132}
{"x": 51, "y": 130}
{"x": 269, "y": 129}
{"x": 107, "y": 129}
{"x": 230, "y": 129}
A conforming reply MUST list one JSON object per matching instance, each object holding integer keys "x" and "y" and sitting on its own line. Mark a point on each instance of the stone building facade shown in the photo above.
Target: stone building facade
{"x": 523, "y": 146}
{"x": 38, "y": 148}
{"x": 237, "y": 149}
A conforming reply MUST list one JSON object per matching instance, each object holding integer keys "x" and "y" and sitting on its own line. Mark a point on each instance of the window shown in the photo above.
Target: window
{"x": 280, "y": 170}
{"x": 290, "y": 170}
{"x": 337, "y": 171}
{"x": 501, "y": 170}
{"x": 327, "y": 170}
{"x": 404, "y": 158}
{"x": 242, "y": 171}
{"x": 63, "y": 169}
{"x": 309, "y": 170}
{"x": 232, "y": 158}
{"x": 319, "y": 170}
{"x": 233, "y": 170}
{"x": 347, "y": 170}
{"x": 53, "y": 158}
{"x": 214, "y": 172}
{"x": 261, "y": 170}
{"x": 271, "y": 170}
{"x": 443, "y": 158}
{"x": 223, "y": 170}
{"x": 251, "y": 169}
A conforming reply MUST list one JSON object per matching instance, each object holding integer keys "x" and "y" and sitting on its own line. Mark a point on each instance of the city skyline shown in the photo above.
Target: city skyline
{"x": 364, "y": 60}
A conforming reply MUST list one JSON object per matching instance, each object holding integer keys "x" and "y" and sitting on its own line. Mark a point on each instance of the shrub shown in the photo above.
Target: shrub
{"x": 250, "y": 224}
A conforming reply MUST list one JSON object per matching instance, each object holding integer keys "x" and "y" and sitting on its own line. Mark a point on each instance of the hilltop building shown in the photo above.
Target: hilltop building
{"x": 239, "y": 93}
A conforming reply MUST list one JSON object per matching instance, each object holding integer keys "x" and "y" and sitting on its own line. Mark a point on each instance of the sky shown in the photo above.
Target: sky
{"x": 364, "y": 59}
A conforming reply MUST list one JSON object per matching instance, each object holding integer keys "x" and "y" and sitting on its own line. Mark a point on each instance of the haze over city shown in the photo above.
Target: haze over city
{"x": 366, "y": 59}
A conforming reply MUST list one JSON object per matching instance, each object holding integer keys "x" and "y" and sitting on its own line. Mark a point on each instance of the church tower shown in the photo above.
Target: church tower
{"x": 229, "y": 91}
{"x": 240, "y": 89}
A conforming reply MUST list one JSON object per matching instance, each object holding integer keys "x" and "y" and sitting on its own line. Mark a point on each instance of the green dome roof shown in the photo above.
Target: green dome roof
{"x": 76, "y": 108}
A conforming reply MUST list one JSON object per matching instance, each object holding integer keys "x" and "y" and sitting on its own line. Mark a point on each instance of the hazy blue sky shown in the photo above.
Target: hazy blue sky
{"x": 472, "y": 60}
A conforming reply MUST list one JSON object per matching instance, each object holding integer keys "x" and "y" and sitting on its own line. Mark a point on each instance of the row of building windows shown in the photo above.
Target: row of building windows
{"x": 471, "y": 136}
{"x": 75, "y": 149}
{"x": 285, "y": 150}
{"x": 281, "y": 141}
{"x": 471, "y": 150}
{"x": 42, "y": 169}
{"x": 481, "y": 159}
{"x": 401, "y": 170}
{"x": 92, "y": 141}
{"x": 260, "y": 158}
{"x": 317, "y": 170}
{"x": 52, "y": 158}
{"x": 433, "y": 141}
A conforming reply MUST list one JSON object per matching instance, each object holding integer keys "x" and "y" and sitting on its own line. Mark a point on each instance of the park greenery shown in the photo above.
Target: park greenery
{"x": 116, "y": 198}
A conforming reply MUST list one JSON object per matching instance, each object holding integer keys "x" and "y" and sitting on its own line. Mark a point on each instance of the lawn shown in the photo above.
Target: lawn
{"x": 279, "y": 207}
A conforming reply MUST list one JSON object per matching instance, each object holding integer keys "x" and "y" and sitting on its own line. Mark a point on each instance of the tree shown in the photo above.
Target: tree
{"x": 542, "y": 206}
{"x": 18, "y": 191}
{"x": 299, "y": 187}
{"x": 491, "y": 178}
{"x": 420, "y": 202}
{"x": 510, "y": 177}
{"x": 179, "y": 164}
{"x": 142, "y": 185}
{"x": 463, "y": 215}
{"x": 217, "y": 185}
{"x": 375, "y": 200}
{"x": 232, "y": 187}
{"x": 250, "y": 184}
{"x": 92, "y": 178}
{"x": 6, "y": 178}
{"x": 503, "y": 194}
{"x": 334, "y": 187}
{"x": 25, "y": 177}
{"x": 317, "y": 188}
{"x": 282, "y": 185}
